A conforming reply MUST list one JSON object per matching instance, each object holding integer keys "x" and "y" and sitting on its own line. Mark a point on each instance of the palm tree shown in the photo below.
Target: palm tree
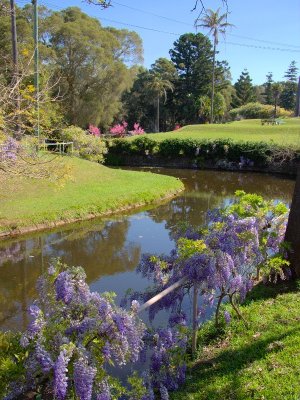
{"x": 159, "y": 86}
{"x": 216, "y": 24}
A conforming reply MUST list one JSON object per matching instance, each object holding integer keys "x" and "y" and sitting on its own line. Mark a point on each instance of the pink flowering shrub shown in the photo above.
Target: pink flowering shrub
{"x": 137, "y": 129}
{"x": 119, "y": 129}
{"x": 93, "y": 130}
{"x": 177, "y": 126}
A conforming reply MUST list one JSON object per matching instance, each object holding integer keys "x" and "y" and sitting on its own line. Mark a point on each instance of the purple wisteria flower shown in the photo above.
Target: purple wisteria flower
{"x": 61, "y": 374}
{"x": 84, "y": 379}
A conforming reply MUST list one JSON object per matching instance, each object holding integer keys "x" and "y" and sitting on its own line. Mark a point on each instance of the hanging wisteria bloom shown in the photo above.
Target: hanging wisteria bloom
{"x": 75, "y": 334}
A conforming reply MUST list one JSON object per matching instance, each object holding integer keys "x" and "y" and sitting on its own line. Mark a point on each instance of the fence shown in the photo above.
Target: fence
{"x": 61, "y": 146}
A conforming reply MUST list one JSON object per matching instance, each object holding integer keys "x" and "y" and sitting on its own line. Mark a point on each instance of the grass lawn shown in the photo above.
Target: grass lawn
{"x": 93, "y": 189}
{"x": 247, "y": 130}
{"x": 262, "y": 362}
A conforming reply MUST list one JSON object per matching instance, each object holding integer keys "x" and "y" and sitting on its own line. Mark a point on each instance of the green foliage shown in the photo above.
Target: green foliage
{"x": 244, "y": 90}
{"x": 259, "y": 153}
{"x": 12, "y": 356}
{"x": 257, "y": 110}
{"x": 86, "y": 146}
{"x": 144, "y": 145}
{"x": 204, "y": 103}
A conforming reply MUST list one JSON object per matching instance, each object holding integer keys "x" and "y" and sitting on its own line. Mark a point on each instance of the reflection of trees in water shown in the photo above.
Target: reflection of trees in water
{"x": 101, "y": 249}
{"x": 103, "y": 252}
{"x": 208, "y": 189}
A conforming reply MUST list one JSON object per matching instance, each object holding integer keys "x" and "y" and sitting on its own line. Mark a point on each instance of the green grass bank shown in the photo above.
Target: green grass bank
{"x": 286, "y": 134}
{"x": 261, "y": 362}
{"x": 93, "y": 190}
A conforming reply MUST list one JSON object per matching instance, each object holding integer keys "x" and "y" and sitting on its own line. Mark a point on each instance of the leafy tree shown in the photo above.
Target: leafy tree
{"x": 159, "y": 85}
{"x": 90, "y": 64}
{"x": 289, "y": 92}
{"x": 205, "y": 107}
{"x": 244, "y": 90}
{"x": 268, "y": 89}
{"x": 192, "y": 56}
{"x": 216, "y": 24}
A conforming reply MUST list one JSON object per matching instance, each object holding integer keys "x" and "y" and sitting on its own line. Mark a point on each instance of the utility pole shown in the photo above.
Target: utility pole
{"x": 15, "y": 79}
{"x": 36, "y": 65}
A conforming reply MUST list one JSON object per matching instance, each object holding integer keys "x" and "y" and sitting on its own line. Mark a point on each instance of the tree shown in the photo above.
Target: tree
{"x": 292, "y": 235}
{"x": 289, "y": 92}
{"x": 90, "y": 62}
{"x": 216, "y": 24}
{"x": 205, "y": 107}
{"x": 268, "y": 89}
{"x": 276, "y": 91}
{"x": 192, "y": 56}
{"x": 244, "y": 90}
{"x": 159, "y": 85}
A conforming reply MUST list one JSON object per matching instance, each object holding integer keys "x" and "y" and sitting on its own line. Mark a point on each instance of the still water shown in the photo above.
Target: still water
{"x": 110, "y": 249}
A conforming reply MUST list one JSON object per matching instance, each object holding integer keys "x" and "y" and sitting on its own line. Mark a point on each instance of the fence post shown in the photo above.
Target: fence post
{"x": 195, "y": 319}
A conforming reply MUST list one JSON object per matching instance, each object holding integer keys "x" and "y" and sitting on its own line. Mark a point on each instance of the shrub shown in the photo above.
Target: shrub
{"x": 119, "y": 130}
{"x": 257, "y": 110}
{"x": 137, "y": 129}
{"x": 144, "y": 145}
{"x": 86, "y": 146}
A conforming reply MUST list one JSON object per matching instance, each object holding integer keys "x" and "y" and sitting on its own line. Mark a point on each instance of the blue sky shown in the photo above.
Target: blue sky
{"x": 273, "y": 23}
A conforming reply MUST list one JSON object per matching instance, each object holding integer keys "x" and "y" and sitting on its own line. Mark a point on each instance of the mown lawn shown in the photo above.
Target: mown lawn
{"x": 262, "y": 362}
{"x": 92, "y": 189}
{"x": 247, "y": 130}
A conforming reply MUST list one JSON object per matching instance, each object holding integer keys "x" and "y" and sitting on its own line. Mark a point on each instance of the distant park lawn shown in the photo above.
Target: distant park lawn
{"x": 288, "y": 133}
{"x": 93, "y": 190}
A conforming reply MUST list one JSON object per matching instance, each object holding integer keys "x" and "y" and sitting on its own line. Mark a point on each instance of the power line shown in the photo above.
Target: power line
{"x": 191, "y": 25}
{"x": 179, "y": 34}
{"x": 225, "y": 42}
{"x": 151, "y": 13}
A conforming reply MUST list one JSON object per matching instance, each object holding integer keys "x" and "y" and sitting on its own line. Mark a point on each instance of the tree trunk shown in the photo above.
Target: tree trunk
{"x": 292, "y": 234}
{"x": 213, "y": 86}
{"x": 15, "y": 79}
{"x": 275, "y": 107}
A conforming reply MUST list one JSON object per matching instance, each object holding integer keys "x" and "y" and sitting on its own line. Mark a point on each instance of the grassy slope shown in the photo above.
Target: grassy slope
{"x": 262, "y": 362}
{"x": 248, "y": 130}
{"x": 94, "y": 189}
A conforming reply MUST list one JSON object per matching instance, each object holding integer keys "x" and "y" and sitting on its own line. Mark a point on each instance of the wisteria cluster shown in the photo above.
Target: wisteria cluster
{"x": 167, "y": 370}
{"x": 222, "y": 259}
{"x": 8, "y": 150}
{"x": 74, "y": 334}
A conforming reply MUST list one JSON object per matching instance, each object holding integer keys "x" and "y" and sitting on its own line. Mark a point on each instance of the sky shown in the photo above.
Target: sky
{"x": 265, "y": 37}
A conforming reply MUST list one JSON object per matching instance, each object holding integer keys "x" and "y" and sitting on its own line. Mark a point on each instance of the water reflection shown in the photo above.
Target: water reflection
{"x": 109, "y": 250}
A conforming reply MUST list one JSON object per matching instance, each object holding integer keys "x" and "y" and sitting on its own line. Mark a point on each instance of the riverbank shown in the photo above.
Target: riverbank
{"x": 93, "y": 190}
{"x": 262, "y": 362}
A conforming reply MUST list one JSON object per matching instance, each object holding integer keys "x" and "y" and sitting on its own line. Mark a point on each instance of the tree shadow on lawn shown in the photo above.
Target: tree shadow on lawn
{"x": 263, "y": 291}
{"x": 227, "y": 365}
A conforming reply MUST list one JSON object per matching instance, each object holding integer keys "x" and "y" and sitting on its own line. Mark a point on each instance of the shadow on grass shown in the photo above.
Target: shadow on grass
{"x": 263, "y": 291}
{"x": 227, "y": 366}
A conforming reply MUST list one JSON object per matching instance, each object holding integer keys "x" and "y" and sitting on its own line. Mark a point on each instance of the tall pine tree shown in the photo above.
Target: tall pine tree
{"x": 289, "y": 93}
{"x": 244, "y": 89}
